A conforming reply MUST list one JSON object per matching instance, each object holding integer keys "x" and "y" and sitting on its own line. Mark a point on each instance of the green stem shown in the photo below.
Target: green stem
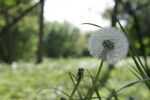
{"x": 95, "y": 81}
{"x": 74, "y": 90}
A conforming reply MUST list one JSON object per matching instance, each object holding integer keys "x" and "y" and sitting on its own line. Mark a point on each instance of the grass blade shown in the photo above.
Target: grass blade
{"x": 92, "y": 25}
{"x": 71, "y": 77}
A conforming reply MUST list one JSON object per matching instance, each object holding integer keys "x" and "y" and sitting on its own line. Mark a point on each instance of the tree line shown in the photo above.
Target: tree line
{"x": 24, "y": 34}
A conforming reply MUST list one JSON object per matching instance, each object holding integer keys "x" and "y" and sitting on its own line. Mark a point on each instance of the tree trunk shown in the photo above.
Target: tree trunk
{"x": 114, "y": 21}
{"x": 8, "y": 43}
{"x": 114, "y": 14}
{"x": 41, "y": 33}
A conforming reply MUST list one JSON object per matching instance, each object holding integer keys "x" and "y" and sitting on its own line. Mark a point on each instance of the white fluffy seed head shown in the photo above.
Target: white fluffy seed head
{"x": 108, "y": 44}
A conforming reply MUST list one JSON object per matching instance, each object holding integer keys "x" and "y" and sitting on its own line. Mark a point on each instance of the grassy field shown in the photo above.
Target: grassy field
{"x": 22, "y": 80}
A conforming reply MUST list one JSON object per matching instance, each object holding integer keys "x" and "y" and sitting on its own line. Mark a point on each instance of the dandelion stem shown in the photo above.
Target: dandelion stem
{"x": 95, "y": 81}
{"x": 75, "y": 88}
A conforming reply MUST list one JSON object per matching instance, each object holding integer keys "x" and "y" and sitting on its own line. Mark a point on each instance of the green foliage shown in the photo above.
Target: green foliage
{"x": 61, "y": 40}
{"x": 26, "y": 79}
{"x": 23, "y": 34}
{"x": 140, "y": 17}
{"x": 140, "y": 70}
{"x": 25, "y": 38}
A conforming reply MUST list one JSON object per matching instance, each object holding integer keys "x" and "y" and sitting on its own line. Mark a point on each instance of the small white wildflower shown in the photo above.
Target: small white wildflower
{"x": 108, "y": 44}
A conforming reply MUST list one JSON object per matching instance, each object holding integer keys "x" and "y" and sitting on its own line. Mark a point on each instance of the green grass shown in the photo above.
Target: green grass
{"x": 24, "y": 82}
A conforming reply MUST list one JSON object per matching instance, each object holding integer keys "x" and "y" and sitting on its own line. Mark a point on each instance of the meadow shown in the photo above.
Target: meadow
{"x": 28, "y": 81}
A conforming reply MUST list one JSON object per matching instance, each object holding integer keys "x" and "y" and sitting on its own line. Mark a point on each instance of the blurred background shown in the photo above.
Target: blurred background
{"x": 43, "y": 39}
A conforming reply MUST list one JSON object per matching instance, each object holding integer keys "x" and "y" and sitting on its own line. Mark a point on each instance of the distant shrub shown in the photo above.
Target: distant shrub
{"x": 61, "y": 40}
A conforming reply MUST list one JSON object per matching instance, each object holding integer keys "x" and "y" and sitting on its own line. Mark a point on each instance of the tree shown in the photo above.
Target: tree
{"x": 10, "y": 17}
{"x": 61, "y": 40}
{"x": 136, "y": 16}
{"x": 41, "y": 32}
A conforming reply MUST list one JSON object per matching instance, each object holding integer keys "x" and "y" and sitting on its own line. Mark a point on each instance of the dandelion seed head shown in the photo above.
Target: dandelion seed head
{"x": 108, "y": 44}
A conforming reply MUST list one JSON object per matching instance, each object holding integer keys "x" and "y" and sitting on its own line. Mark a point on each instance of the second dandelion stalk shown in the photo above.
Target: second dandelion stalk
{"x": 95, "y": 82}
{"x": 79, "y": 77}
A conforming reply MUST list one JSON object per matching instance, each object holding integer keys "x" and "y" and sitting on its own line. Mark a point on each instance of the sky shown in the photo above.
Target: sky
{"x": 78, "y": 12}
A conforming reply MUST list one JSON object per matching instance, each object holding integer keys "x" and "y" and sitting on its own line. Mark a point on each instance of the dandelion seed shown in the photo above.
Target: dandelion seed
{"x": 108, "y": 44}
